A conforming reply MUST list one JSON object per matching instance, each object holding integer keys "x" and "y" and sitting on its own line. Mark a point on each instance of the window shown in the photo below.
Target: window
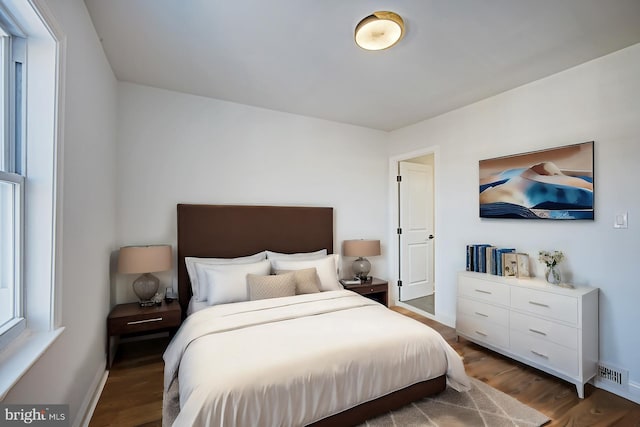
{"x": 12, "y": 181}
{"x": 32, "y": 49}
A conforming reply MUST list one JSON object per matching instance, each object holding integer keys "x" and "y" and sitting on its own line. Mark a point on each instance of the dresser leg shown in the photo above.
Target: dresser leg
{"x": 580, "y": 389}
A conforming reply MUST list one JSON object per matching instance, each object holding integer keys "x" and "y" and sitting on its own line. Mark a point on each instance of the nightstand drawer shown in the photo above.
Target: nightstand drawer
{"x": 365, "y": 290}
{"x": 144, "y": 322}
{"x": 131, "y": 318}
{"x": 375, "y": 289}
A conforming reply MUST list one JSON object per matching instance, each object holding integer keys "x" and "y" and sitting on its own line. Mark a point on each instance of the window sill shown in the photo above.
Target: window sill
{"x": 19, "y": 356}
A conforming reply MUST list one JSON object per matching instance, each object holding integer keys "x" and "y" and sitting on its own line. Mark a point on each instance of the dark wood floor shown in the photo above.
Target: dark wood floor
{"x": 133, "y": 393}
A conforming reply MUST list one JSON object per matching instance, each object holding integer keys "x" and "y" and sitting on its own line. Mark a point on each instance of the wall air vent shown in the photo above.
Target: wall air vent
{"x": 616, "y": 377}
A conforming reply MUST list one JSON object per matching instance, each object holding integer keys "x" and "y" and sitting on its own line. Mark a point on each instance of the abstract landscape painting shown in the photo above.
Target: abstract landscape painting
{"x": 548, "y": 184}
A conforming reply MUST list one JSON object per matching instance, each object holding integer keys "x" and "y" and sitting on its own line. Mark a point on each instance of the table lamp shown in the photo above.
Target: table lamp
{"x": 361, "y": 249}
{"x": 145, "y": 260}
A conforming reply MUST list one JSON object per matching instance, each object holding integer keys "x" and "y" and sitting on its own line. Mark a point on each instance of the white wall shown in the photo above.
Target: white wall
{"x": 599, "y": 101}
{"x": 67, "y": 372}
{"x": 177, "y": 148}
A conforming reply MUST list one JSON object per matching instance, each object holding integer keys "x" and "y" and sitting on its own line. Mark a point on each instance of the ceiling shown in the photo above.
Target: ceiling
{"x": 298, "y": 56}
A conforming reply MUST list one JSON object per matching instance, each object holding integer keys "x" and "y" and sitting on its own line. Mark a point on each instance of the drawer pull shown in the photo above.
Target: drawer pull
{"x": 539, "y": 304}
{"x": 371, "y": 290}
{"x": 481, "y": 333}
{"x": 535, "y": 331}
{"x": 137, "y": 322}
{"x": 482, "y": 291}
{"x": 481, "y": 314}
{"x": 539, "y": 354}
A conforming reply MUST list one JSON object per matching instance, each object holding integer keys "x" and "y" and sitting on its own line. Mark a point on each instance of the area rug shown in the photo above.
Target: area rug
{"x": 483, "y": 405}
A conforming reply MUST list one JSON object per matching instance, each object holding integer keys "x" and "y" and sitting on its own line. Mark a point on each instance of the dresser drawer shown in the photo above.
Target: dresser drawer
{"x": 483, "y": 330}
{"x": 545, "y": 304}
{"x": 483, "y": 311}
{"x": 532, "y": 326}
{"x": 484, "y": 290}
{"x": 545, "y": 353}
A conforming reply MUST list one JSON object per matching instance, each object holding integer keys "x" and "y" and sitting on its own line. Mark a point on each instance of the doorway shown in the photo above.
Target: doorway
{"x": 416, "y": 233}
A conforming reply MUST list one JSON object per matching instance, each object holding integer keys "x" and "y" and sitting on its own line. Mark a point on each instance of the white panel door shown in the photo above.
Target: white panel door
{"x": 416, "y": 222}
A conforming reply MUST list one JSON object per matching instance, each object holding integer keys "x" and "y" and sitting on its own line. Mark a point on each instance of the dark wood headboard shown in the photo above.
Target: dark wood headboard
{"x": 225, "y": 231}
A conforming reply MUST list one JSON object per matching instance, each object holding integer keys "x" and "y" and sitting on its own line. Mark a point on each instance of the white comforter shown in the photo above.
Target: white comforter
{"x": 295, "y": 360}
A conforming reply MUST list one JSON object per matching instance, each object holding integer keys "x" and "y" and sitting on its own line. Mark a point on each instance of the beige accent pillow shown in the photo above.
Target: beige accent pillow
{"x": 307, "y": 280}
{"x": 263, "y": 287}
{"x": 326, "y": 269}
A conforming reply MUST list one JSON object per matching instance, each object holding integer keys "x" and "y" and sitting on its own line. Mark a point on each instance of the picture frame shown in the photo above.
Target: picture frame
{"x": 510, "y": 264}
{"x": 522, "y": 261}
{"x": 556, "y": 183}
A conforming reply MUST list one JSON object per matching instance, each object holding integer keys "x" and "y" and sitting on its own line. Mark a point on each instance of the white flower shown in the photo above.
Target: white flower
{"x": 550, "y": 259}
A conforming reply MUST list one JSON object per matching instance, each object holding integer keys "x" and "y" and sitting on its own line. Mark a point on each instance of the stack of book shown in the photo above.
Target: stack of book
{"x": 486, "y": 258}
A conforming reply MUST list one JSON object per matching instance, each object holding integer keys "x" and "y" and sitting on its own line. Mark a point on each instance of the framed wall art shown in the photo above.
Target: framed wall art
{"x": 556, "y": 183}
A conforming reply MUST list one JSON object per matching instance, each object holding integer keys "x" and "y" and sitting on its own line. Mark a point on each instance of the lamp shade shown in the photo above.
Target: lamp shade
{"x": 144, "y": 259}
{"x": 361, "y": 248}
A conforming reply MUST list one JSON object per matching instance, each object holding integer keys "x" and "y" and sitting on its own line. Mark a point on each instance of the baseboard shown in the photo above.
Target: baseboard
{"x": 89, "y": 403}
{"x": 446, "y": 320}
{"x": 632, "y": 392}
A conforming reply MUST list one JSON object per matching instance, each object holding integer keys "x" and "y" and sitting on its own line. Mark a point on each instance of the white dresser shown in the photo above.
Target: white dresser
{"x": 551, "y": 328}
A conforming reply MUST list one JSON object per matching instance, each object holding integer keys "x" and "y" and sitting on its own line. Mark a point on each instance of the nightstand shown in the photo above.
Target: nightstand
{"x": 131, "y": 319}
{"x": 376, "y": 289}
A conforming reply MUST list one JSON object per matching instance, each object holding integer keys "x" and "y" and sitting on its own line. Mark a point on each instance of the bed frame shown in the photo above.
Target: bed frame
{"x": 226, "y": 231}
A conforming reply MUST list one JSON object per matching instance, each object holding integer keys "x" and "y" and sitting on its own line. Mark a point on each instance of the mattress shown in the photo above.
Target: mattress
{"x": 296, "y": 360}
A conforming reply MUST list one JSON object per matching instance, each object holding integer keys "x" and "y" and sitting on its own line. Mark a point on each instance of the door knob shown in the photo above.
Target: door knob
{"x": 431, "y": 237}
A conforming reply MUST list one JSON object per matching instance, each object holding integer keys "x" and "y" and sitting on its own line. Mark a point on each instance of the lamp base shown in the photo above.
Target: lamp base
{"x": 149, "y": 303}
{"x": 145, "y": 287}
{"x": 361, "y": 268}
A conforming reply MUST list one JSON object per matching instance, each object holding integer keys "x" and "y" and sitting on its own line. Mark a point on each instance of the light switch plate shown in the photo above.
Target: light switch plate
{"x": 620, "y": 220}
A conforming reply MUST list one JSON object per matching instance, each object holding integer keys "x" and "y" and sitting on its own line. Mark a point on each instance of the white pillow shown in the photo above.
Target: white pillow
{"x": 228, "y": 283}
{"x": 199, "y": 292}
{"x": 326, "y": 268}
{"x": 300, "y": 256}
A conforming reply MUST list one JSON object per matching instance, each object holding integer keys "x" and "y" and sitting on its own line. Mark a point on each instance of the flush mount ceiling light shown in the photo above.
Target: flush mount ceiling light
{"x": 378, "y": 31}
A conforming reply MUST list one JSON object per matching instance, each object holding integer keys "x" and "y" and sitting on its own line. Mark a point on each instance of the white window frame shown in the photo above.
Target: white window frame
{"x": 45, "y": 47}
{"x": 12, "y": 166}
{"x": 13, "y": 327}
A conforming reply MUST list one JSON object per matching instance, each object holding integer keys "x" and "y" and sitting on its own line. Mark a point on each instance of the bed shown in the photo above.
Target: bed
{"x": 320, "y": 359}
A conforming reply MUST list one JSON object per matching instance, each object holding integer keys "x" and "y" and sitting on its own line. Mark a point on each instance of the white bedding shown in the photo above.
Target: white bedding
{"x": 195, "y": 305}
{"x": 295, "y": 360}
